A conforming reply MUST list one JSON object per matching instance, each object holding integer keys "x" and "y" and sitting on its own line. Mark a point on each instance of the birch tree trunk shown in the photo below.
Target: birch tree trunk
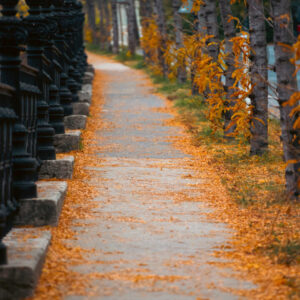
{"x": 136, "y": 28}
{"x": 229, "y": 32}
{"x": 114, "y": 15}
{"x": 201, "y": 23}
{"x": 102, "y": 28}
{"x": 181, "y": 73}
{"x": 161, "y": 23}
{"x": 143, "y": 10}
{"x": 210, "y": 11}
{"x": 148, "y": 8}
{"x": 130, "y": 26}
{"x": 119, "y": 9}
{"x": 107, "y": 24}
{"x": 259, "y": 78}
{"x": 286, "y": 86}
{"x": 91, "y": 17}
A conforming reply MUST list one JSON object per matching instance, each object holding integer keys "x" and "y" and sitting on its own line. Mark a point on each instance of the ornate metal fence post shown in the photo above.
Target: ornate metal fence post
{"x": 8, "y": 206}
{"x": 37, "y": 28}
{"x": 59, "y": 39}
{"x": 74, "y": 76}
{"x": 79, "y": 45}
{"x": 28, "y": 98}
{"x": 12, "y": 34}
{"x": 84, "y": 55}
{"x": 56, "y": 112}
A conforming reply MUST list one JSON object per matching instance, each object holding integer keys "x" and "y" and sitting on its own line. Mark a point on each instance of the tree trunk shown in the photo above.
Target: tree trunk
{"x": 210, "y": 11}
{"x": 136, "y": 27}
{"x": 201, "y": 23}
{"x": 91, "y": 17}
{"x": 143, "y": 9}
{"x": 286, "y": 86}
{"x": 130, "y": 26}
{"x": 115, "y": 24}
{"x": 229, "y": 33}
{"x": 119, "y": 9}
{"x": 102, "y": 27}
{"x": 259, "y": 78}
{"x": 199, "y": 28}
{"x": 161, "y": 23}
{"x": 107, "y": 24}
{"x": 146, "y": 11}
{"x": 181, "y": 73}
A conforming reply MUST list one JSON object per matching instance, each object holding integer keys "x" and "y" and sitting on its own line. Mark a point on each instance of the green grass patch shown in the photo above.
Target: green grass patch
{"x": 169, "y": 87}
{"x": 96, "y": 49}
{"x": 81, "y": 146}
{"x": 123, "y": 56}
{"x": 139, "y": 65}
{"x": 288, "y": 253}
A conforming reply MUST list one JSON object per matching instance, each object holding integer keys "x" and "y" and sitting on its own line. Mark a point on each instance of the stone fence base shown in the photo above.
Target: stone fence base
{"x": 27, "y": 248}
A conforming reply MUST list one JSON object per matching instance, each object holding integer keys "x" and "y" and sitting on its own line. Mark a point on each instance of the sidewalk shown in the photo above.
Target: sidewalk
{"x": 147, "y": 235}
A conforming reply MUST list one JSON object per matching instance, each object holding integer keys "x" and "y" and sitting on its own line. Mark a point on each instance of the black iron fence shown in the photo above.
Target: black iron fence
{"x": 42, "y": 62}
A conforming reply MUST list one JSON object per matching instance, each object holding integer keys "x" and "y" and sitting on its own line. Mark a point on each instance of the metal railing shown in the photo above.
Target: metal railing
{"x": 42, "y": 62}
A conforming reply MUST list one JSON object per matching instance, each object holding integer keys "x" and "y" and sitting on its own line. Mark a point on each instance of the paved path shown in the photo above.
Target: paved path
{"x": 151, "y": 237}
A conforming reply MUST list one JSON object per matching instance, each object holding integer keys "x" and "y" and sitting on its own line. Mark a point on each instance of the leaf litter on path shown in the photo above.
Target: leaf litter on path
{"x": 59, "y": 280}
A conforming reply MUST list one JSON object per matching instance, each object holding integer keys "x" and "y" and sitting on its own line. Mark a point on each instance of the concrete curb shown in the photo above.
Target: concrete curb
{"x": 84, "y": 96}
{"x": 74, "y": 122}
{"x": 67, "y": 142}
{"x": 45, "y": 209}
{"x": 60, "y": 168}
{"x": 88, "y": 77}
{"x": 26, "y": 251}
{"x": 81, "y": 108}
{"x": 90, "y": 68}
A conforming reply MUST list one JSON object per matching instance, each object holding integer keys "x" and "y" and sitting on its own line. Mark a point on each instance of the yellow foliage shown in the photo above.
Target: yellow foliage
{"x": 22, "y": 8}
{"x": 242, "y": 112}
{"x": 151, "y": 43}
{"x": 88, "y": 34}
{"x": 196, "y": 4}
{"x": 208, "y": 73}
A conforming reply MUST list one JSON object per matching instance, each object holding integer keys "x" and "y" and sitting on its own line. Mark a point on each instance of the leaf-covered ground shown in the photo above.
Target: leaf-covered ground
{"x": 103, "y": 235}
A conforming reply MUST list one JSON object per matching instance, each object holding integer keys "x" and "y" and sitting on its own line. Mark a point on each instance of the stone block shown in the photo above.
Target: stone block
{"x": 84, "y": 96}
{"x": 45, "y": 209}
{"x": 67, "y": 142}
{"x": 74, "y": 122}
{"x": 87, "y": 88}
{"x": 81, "y": 108}
{"x": 26, "y": 252}
{"x": 60, "y": 168}
{"x": 90, "y": 68}
{"x": 87, "y": 77}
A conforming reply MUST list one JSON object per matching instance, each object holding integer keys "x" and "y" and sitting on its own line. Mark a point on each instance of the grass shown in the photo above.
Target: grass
{"x": 287, "y": 254}
{"x": 81, "y": 145}
{"x": 95, "y": 49}
{"x": 124, "y": 56}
